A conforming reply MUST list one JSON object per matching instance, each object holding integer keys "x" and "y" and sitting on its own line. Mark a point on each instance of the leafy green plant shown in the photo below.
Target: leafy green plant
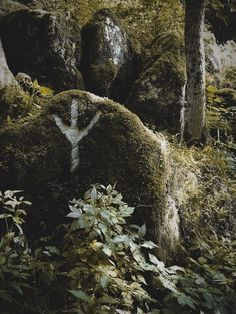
{"x": 209, "y": 281}
{"x": 14, "y": 251}
{"x": 107, "y": 266}
{"x": 112, "y": 269}
{"x": 107, "y": 263}
{"x": 18, "y": 103}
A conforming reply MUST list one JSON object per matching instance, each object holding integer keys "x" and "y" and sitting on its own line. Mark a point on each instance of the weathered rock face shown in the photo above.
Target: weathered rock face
{"x": 7, "y": 82}
{"x": 6, "y": 77}
{"x": 220, "y": 58}
{"x": 81, "y": 139}
{"x": 110, "y": 58}
{"x": 44, "y": 45}
{"x": 157, "y": 95}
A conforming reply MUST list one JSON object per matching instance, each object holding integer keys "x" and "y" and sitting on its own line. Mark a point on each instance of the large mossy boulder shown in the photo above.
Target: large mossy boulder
{"x": 46, "y": 46}
{"x": 81, "y": 139}
{"x": 157, "y": 95}
{"x": 110, "y": 60}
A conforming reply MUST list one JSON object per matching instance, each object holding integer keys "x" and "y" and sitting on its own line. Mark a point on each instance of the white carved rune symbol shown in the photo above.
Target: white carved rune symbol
{"x": 73, "y": 134}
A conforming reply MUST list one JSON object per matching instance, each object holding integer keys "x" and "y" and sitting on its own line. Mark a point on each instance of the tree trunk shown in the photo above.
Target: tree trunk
{"x": 195, "y": 66}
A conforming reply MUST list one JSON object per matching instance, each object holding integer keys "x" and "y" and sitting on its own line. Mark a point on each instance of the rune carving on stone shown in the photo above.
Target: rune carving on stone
{"x": 72, "y": 132}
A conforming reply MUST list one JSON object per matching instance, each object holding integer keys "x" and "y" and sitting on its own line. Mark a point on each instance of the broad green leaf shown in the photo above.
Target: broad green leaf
{"x": 142, "y": 231}
{"x": 200, "y": 281}
{"x": 3, "y": 216}
{"x": 168, "y": 283}
{"x": 185, "y": 300}
{"x": 120, "y": 239}
{"x": 106, "y": 299}
{"x": 149, "y": 245}
{"x": 104, "y": 281}
{"x": 79, "y": 294}
{"x": 107, "y": 251}
{"x": 202, "y": 260}
{"x": 94, "y": 193}
{"x": 155, "y": 261}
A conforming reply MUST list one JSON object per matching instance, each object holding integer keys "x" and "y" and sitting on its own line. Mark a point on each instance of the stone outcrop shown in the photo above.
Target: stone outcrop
{"x": 110, "y": 57}
{"x": 46, "y": 46}
{"x": 157, "y": 95}
{"x": 81, "y": 139}
{"x": 220, "y": 59}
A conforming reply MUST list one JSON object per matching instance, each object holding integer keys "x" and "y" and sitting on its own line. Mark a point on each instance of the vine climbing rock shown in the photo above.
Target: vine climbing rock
{"x": 157, "y": 95}
{"x": 46, "y": 46}
{"x": 110, "y": 60}
{"x": 81, "y": 139}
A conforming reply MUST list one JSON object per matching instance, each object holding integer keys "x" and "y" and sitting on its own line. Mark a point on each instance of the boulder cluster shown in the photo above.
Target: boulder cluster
{"x": 102, "y": 57}
{"x": 80, "y": 138}
{"x": 83, "y": 135}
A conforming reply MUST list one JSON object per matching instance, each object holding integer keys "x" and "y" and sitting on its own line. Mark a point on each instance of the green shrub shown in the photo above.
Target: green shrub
{"x": 15, "y": 273}
{"x": 107, "y": 263}
{"x": 106, "y": 266}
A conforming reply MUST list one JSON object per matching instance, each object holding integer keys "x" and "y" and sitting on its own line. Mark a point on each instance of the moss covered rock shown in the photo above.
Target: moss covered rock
{"x": 78, "y": 140}
{"x": 157, "y": 95}
{"x": 46, "y": 46}
{"x": 222, "y": 117}
{"x": 110, "y": 57}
